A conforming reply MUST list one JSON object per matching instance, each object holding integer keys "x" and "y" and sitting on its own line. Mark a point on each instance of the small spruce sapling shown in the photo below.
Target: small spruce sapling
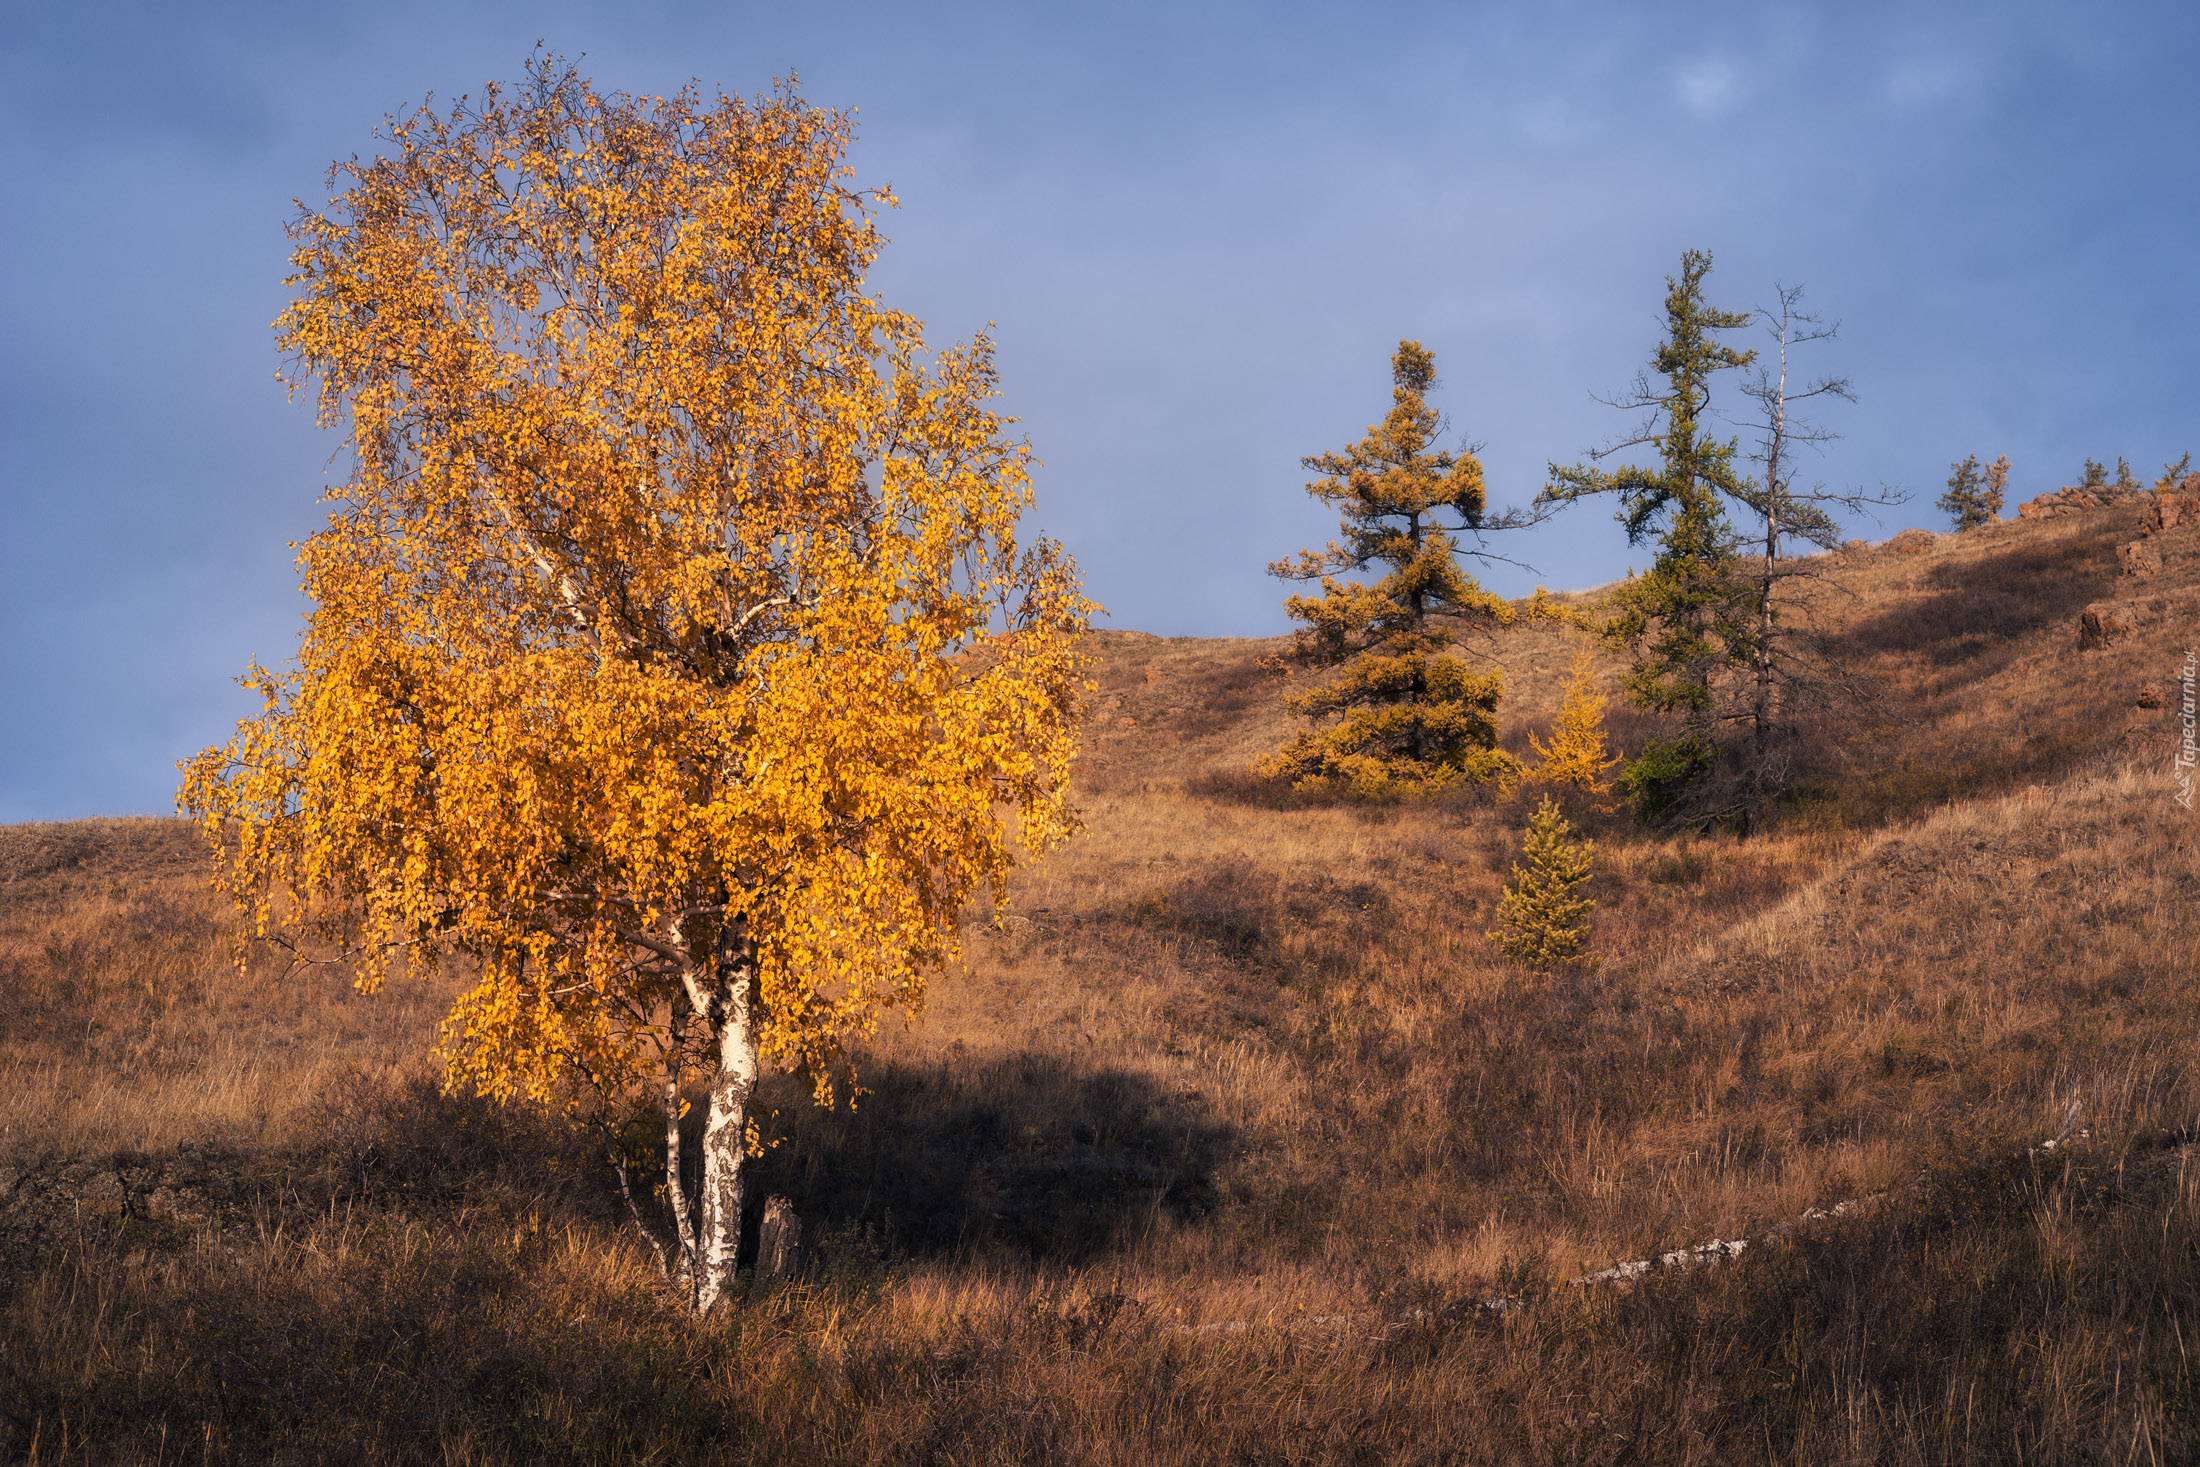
{"x": 2125, "y": 478}
{"x": 2096, "y": 475}
{"x": 1543, "y": 919}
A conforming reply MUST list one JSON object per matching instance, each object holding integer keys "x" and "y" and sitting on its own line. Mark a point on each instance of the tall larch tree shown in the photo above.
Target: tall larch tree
{"x": 1408, "y": 712}
{"x": 671, "y": 658}
{"x": 1690, "y": 621}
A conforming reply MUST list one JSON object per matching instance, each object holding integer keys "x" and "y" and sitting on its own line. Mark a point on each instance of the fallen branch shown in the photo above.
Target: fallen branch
{"x": 1718, "y": 1250}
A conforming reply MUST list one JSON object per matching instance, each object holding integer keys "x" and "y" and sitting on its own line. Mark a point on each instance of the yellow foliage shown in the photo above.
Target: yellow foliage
{"x": 1577, "y": 754}
{"x": 670, "y": 648}
{"x": 1410, "y": 714}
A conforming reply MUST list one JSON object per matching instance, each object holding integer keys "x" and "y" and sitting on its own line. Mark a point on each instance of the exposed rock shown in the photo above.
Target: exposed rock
{"x": 2172, "y": 508}
{"x": 47, "y": 1203}
{"x": 2173, "y": 513}
{"x": 2139, "y": 558}
{"x": 2074, "y": 499}
{"x": 103, "y": 1195}
{"x": 2104, "y": 624}
{"x": 1912, "y": 542}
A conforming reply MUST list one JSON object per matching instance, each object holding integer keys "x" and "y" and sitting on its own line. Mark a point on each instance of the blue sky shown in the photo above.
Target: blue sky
{"x": 1198, "y": 231}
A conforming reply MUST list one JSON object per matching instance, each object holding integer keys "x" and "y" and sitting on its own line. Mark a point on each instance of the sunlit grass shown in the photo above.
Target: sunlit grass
{"x": 1214, "y": 1145}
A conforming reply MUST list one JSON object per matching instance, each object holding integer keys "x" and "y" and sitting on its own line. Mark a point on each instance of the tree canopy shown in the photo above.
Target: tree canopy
{"x": 1691, "y": 619}
{"x": 671, "y": 657}
{"x": 1410, "y": 712}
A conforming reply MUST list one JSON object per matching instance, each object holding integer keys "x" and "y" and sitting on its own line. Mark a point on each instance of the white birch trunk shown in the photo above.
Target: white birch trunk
{"x": 725, "y": 1134}
{"x": 683, "y": 1225}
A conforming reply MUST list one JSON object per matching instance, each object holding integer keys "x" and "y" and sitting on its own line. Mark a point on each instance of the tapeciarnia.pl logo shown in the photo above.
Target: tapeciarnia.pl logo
{"x": 2188, "y": 751}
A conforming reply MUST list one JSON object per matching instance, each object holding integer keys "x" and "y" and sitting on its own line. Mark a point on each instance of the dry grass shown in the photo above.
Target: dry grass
{"x": 1210, "y": 1149}
{"x": 123, "y": 1024}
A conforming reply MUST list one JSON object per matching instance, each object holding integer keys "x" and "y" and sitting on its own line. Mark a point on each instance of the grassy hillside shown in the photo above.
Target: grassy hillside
{"x": 1223, "y": 1140}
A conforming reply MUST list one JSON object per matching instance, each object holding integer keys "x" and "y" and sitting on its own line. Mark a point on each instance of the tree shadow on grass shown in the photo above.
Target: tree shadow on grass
{"x": 1980, "y": 607}
{"x": 1028, "y": 1155}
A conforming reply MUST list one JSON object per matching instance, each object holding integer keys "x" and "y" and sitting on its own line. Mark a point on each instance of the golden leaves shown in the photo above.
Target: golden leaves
{"x": 1410, "y": 715}
{"x": 631, "y": 626}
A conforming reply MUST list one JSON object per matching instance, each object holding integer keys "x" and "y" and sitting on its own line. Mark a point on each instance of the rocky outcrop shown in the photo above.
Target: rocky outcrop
{"x": 2075, "y": 499}
{"x": 2104, "y": 624}
{"x": 2139, "y": 558}
{"x": 2172, "y": 509}
{"x": 2151, "y": 611}
{"x": 1913, "y": 542}
{"x": 2170, "y": 531}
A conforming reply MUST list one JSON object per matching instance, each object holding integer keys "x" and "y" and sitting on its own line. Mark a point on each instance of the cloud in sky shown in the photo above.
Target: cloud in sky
{"x": 1199, "y": 231}
{"x": 1711, "y": 87}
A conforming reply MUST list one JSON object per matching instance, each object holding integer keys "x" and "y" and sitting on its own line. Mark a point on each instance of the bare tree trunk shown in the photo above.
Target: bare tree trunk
{"x": 683, "y": 1224}
{"x": 725, "y": 1128}
{"x": 1775, "y": 461}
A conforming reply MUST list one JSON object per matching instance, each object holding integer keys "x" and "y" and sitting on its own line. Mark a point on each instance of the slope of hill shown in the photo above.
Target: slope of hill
{"x": 1219, "y": 1144}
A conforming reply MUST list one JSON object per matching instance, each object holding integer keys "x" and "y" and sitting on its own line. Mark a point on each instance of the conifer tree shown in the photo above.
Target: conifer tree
{"x": 1994, "y": 487}
{"x": 1690, "y": 620}
{"x": 1542, "y": 916}
{"x": 1965, "y": 501}
{"x": 2095, "y": 475}
{"x": 1577, "y": 754}
{"x": 2125, "y": 478}
{"x": 1410, "y": 713}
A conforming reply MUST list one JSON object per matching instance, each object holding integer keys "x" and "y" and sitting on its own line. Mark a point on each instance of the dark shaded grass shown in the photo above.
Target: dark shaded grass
{"x": 1978, "y": 610}
{"x": 1026, "y": 1156}
{"x": 488, "y": 1335}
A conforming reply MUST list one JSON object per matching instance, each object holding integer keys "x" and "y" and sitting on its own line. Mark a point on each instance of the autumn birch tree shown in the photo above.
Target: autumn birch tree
{"x": 671, "y": 658}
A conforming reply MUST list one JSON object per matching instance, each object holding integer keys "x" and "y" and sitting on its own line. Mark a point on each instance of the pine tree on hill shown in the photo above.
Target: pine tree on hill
{"x": 1410, "y": 713}
{"x": 1967, "y": 500}
{"x": 1994, "y": 488}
